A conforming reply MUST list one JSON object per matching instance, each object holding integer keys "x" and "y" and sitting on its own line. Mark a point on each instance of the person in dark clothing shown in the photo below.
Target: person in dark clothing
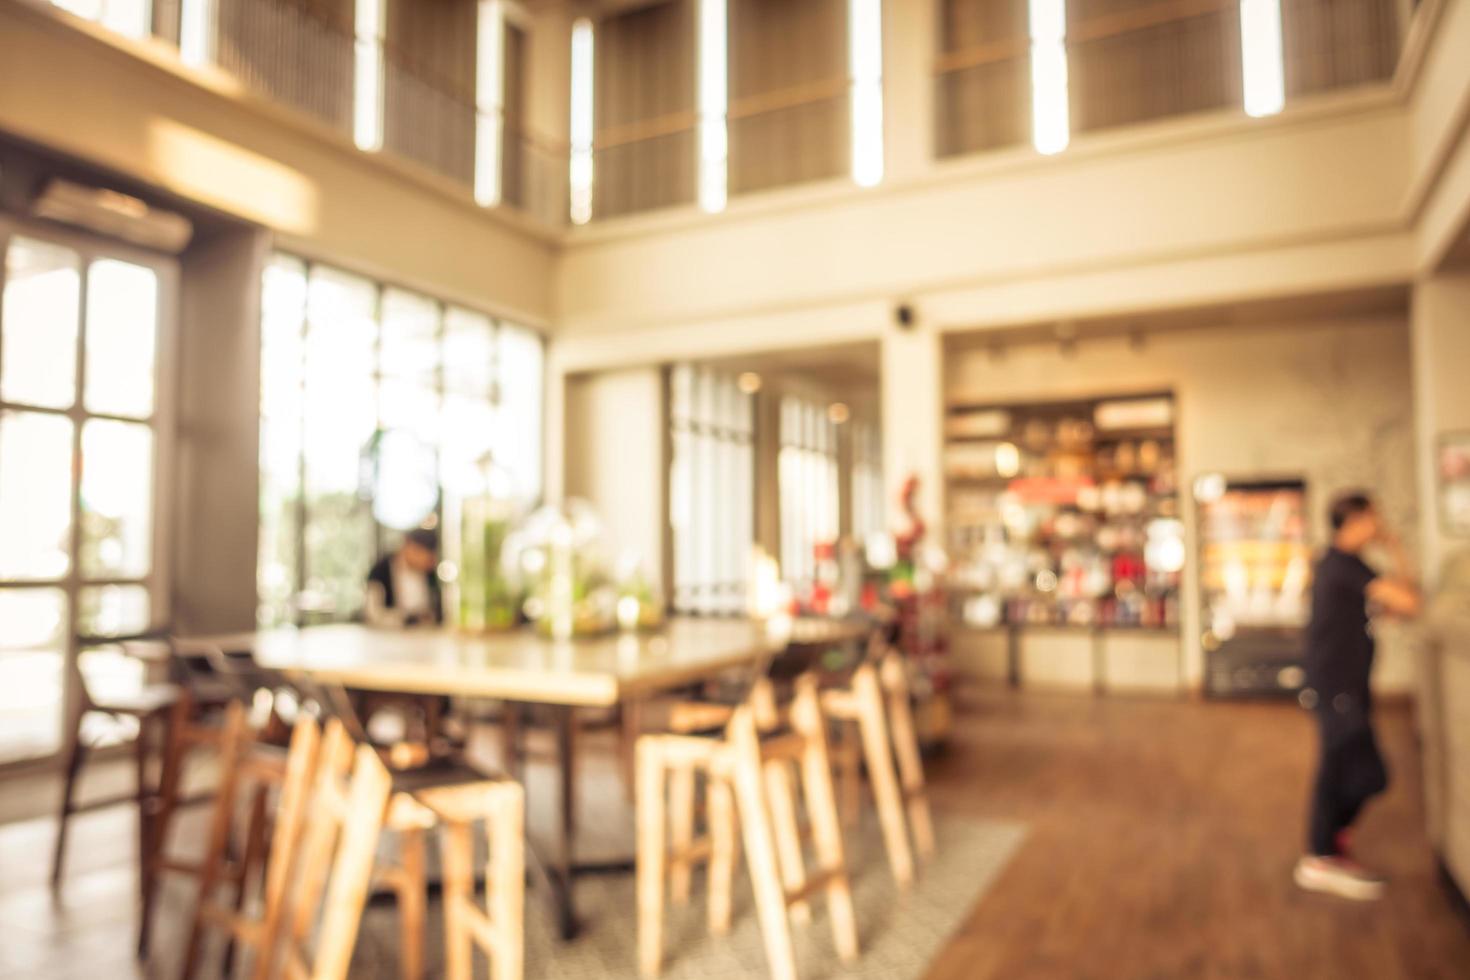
{"x": 403, "y": 588}
{"x": 1339, "y": 658}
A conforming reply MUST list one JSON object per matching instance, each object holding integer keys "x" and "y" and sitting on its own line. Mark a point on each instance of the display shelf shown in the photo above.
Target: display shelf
{"x": 1064, "y": 517}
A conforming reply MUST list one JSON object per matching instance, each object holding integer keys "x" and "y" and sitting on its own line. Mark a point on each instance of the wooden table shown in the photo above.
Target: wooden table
{"x": 521, "y": 668}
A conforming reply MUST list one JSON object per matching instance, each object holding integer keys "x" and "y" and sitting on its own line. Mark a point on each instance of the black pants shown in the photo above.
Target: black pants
{"x": 1350, "y": 771}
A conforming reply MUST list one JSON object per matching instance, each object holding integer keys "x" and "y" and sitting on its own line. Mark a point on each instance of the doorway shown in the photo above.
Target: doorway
{"x": 85, "y": 331}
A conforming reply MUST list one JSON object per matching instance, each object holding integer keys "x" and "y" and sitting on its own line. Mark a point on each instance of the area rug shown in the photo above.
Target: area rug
{"x": 899, "y": 934}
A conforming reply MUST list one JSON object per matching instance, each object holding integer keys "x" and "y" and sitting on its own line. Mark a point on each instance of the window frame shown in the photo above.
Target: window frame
{"x": 441, "y": 388}
{"x": 162, "y": 424}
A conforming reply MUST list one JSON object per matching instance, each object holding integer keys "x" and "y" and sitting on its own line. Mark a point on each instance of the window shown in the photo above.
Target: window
{"x": 79, "y": 444}
{"x": 808, "y": 475}
{"x": 1260, "y": 57}
{"x": 869, "y": 499}
{"x": 579, "y": 173}
{"x": 711, "y": 490}
{"x": 376, "y": 403}
{"x": 1051, "y": 124}
{"x": 131, "y": 18}
{"x": 369, "y": 25}
{"x": 865, "y": 62}
{"x": 489, "y": 101}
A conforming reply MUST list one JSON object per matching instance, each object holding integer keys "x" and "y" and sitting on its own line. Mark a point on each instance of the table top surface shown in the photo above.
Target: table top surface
{"x": 521, "y": 665}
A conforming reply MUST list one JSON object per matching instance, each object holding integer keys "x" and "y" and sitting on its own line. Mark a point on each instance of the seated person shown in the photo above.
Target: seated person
{"x": 403, "y": 588}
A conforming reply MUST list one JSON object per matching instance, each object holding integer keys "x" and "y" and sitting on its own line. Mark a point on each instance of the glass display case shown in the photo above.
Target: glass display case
{"x": 1065, "y": 514}
{"x": 1255, "y": 573}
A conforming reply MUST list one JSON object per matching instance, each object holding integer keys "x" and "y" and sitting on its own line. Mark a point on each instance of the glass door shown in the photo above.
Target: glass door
{"x": 81, "y": 563}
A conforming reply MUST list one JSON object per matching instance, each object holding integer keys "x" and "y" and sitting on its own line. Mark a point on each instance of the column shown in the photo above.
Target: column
{"x": 913, "y": 421}
{"x": 1440, "y": 325}
{"x": 909, "y": 44}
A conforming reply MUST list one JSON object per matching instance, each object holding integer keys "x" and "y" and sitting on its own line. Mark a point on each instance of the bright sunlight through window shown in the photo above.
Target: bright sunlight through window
{"x": 1261, "y": 57}
{"x": 368, "y": 69}
{"x": 489, "y": 101}
{"x": 580, "y": 173}
{"x": 713, "y": 100}
{"x": 865, "y": 57}
{"x": 1050, "y": 121}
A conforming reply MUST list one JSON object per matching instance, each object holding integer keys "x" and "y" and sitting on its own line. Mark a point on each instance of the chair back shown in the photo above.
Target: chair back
{"x": 329, "y": 884}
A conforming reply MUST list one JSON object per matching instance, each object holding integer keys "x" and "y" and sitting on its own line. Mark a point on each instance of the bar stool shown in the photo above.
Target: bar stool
{"x": 746, "y": 771}
{"x": 265, "y": 768}
{"x": 434, "y": 787}
{"x": 877, "y": 725}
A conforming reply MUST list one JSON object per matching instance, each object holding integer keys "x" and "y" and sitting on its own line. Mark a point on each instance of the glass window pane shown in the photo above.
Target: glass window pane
{"x": 340, "y": 419}
{"x": 282, "y": 374}
{"x": 113, "y": 610}
{"x": 38, "y": 346}
{"x": 122, "y": 332}
{"x": 410, "y": 336}
{"x": 117, "y": 498}
{"x": 35, "y": 495}
{"x": 32, "y": 648}
{"x": 469, "y": 425}
{"x": 469, "y": 353}
{"x": 340, "y": 407}
{"x": 518, "y": 436}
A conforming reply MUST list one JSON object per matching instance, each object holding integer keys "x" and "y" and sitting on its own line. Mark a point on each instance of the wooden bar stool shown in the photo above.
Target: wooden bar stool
{"x": 292, "y": 775}
{"x": 331, "y": 880}
{"x": 435, "y": 792}
{"x": 231, "y": 739}
{"x": 877, "y": 723}
{"x": 739, "y": 765}
{"x": 217, "y": 717}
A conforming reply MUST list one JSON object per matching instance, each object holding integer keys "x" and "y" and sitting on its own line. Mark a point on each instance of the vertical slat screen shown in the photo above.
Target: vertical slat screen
{"x": 789, "y": 114}
{"x": 644, "y": 121}
{"x": 1130, "y": 61}
{"x": 429, "y": 92}
{"x": 297, "y": 52}
{"x": 513, "y": 145}
{"x": 983, "y": 80}
{"x": 1330, "y": 44}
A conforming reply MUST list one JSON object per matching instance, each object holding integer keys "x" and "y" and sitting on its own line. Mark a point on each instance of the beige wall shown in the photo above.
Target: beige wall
{"x": 615, "y": 459}
{"x": 1329, "y": 402}
{"x": 130, "y": 108}
{"x": 1441, "y": 349}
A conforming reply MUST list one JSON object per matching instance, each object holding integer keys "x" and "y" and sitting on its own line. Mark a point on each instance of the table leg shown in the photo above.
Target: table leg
{"x": 564, "y": 858}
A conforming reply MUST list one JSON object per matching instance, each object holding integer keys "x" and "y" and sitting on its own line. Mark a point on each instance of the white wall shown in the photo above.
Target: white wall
{"x": 1329, "y": 402}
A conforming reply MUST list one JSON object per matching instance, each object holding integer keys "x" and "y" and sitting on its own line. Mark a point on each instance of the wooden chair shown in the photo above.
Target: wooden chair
{"x": 149, "y": 708}
{"x": 293, "y": 776}
{"x": 877, "y": 724}
{"x": 430, "y": 791}
{"x": 748, "y": 775}
{"x": 209, "y": 680}
{"x": 332, "y": 878}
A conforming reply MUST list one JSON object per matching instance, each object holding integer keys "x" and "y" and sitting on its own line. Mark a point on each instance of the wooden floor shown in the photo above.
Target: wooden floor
{"x": 1160, "y": 840}
{"x": 1162, "y": 837}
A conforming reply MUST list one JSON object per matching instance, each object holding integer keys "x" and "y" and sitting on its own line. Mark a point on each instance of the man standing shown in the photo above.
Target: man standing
{"x": 1339, "y": 662}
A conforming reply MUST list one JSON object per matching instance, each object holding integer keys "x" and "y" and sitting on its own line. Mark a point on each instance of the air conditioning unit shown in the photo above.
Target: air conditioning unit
{"x": 114, "y": 215}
